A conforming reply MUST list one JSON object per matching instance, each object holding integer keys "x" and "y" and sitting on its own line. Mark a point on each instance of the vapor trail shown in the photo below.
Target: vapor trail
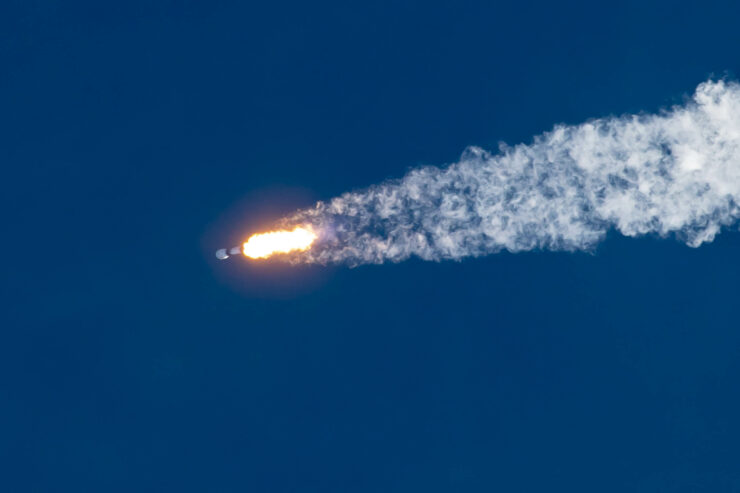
{"x": 674, "y": 173}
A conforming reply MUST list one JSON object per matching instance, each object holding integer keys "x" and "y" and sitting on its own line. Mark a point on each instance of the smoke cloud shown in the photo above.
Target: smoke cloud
{"x": 676, "y": 173}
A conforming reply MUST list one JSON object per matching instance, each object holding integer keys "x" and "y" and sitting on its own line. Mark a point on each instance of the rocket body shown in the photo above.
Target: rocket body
{"x": 224, "y": 253}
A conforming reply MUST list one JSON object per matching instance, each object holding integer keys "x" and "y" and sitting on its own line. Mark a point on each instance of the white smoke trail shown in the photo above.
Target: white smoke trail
{"x": 674, "y": 173}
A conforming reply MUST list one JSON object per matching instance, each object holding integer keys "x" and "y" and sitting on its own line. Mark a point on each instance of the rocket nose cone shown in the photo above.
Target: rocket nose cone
{"x": 221, "y": 254}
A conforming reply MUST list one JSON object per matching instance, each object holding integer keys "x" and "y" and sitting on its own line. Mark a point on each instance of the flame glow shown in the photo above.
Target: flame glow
{"x": 263, "y": 245}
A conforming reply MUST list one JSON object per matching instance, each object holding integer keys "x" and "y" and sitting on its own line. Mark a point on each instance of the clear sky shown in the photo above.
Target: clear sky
{"x": 137, "y": 137}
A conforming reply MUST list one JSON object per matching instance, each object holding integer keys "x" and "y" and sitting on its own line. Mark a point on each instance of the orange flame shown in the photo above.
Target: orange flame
{"x": 263, "y": 245}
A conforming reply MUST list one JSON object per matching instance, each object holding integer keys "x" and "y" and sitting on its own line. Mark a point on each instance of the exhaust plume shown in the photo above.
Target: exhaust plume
{"x": 676, "y": 173}
{"x": 264, "y": 245}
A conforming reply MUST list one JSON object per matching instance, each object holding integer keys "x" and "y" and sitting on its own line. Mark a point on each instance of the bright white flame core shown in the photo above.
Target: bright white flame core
{"x": 264, "y": 245}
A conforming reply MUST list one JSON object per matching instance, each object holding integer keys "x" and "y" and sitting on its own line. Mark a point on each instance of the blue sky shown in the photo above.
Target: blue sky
{"x": 136, "y": 138}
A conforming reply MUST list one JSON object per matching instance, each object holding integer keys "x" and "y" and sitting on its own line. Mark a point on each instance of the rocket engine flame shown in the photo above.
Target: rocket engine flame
{"x": 264, "y": 245}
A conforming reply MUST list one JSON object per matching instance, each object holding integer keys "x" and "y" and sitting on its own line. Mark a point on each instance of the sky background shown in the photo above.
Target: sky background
{"x": 137, "y": 137}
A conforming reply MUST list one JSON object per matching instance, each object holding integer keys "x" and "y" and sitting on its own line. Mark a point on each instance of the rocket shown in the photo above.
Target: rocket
{"x": 224, "y": 253}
